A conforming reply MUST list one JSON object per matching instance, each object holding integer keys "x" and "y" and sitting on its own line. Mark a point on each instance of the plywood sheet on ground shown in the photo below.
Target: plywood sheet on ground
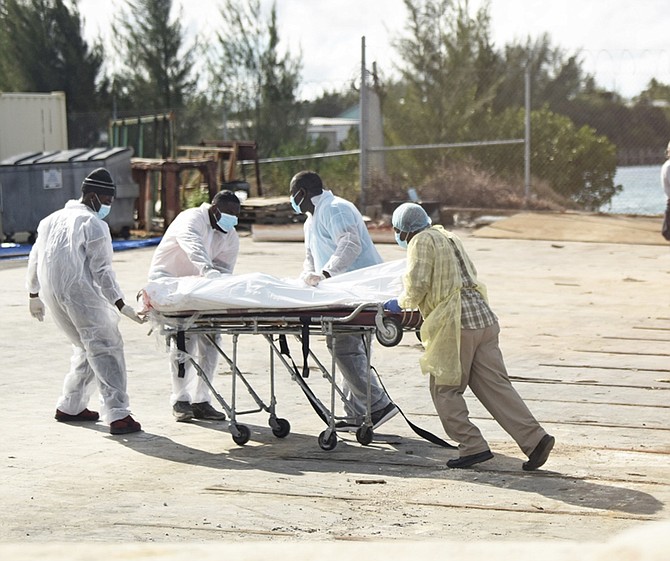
{"x": 577, "y": 227}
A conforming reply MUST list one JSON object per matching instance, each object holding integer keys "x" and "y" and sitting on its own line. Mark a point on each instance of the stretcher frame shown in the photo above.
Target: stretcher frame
{"x": 366, "y": 319}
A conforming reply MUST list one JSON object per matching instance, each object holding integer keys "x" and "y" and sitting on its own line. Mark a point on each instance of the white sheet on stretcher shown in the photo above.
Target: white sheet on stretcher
{"x": 260, "y": 291}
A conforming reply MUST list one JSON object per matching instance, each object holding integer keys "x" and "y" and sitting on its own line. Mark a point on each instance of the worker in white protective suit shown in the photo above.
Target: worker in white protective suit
{"x": 70, "y": 270}
{"x": 460, "y": 336}
{"x": 665, "y": 183}
{"x": 337, "y": 241}
{"x": 200, "y": 242}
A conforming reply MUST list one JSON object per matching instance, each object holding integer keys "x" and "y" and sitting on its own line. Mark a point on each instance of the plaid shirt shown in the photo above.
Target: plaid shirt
{"x": 475, "y": 312}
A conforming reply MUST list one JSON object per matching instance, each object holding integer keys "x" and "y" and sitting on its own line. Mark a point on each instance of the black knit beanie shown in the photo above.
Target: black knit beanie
{"x": 99, "y": 181}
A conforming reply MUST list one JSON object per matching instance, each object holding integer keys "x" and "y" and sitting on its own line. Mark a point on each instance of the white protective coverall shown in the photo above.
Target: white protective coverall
{"x": 192, "y": 247}
{"x": 70, "y": 265}
{"x": 337, "y": 241}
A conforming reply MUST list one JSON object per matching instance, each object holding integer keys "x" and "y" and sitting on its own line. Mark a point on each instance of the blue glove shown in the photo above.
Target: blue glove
{"x": 392, "y": 306}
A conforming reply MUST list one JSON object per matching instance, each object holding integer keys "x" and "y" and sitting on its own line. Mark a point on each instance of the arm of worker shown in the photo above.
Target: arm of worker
{"x": 191, "y": 241}
{"x": 129, "y": 311}
{"x": 348, "y": 248}
{"x": 99, "y": 254}
{"x": 309, "y": 275}
{"x": 344, "y": 227}
{"x": 225, "y": 260}
{"x": 35, "y": 304}
{"x": 419, "y": 274}
{"x": 32, "y": 282}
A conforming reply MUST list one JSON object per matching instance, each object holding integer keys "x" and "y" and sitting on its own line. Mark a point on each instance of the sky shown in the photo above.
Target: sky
{"x": 622, "y": 43}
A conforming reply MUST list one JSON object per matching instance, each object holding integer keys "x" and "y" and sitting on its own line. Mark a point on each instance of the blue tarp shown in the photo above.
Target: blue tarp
{"x": 21, "y": 250}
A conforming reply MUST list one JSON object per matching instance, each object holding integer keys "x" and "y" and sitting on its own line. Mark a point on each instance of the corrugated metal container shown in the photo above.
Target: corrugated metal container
{"x": 33, "y": 185}
{"x": 32, "y": 122}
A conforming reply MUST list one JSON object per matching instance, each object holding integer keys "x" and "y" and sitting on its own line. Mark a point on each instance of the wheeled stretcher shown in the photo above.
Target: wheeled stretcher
{"x": 366, "y": 320}
{"x": 278, "y": 309}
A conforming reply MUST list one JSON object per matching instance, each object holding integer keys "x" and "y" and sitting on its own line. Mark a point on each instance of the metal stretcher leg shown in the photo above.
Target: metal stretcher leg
{"x": 241, "y": 433}
{"x": 230, "y": 410}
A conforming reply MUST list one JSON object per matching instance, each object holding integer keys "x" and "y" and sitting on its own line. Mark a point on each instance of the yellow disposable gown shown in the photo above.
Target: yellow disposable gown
{"x": 433, "y": 284}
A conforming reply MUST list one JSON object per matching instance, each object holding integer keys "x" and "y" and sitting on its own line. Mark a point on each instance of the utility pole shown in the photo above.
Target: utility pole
{"x": 363, "y": 128}
{"x": 526, "y": 154}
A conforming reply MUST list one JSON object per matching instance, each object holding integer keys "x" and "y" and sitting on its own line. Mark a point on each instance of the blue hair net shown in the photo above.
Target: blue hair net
{"x": 410, "y": 217}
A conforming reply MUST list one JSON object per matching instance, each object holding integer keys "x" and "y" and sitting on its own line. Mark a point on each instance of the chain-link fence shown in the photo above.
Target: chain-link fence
{"x": 638, "y": 169}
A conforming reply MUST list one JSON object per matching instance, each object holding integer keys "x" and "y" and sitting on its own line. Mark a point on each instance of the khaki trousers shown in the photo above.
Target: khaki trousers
{"x": 485, "y": 373}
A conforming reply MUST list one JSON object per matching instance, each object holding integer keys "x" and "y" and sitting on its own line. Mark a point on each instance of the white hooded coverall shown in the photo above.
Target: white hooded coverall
{"x": 191, "y": 247}
{"x": 337, "y": 241}
{"x": 70, "y": 266}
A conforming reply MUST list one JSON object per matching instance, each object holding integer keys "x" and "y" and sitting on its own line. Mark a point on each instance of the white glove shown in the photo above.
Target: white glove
{"x": 212, "y": 274}
{"x": 129, "y": 312}
{"x": 312, "y": 279}
{"x": 37, "y": 308}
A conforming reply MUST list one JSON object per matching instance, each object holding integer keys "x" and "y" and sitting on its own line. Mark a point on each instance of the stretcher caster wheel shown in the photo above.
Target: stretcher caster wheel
{"x": 281, "y": 428}
{"x": 242, "y": 436}
{"x": 364, "y": 435}
{"x": 327, "y": 443}
{"x": 391, "y": 335}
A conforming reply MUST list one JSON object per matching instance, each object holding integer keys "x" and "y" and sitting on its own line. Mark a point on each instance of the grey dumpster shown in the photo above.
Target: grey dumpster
{"x": 37, "y": 184}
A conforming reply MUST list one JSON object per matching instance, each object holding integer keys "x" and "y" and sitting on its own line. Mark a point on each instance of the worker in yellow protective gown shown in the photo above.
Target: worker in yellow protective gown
{"x": 460, "y": 336}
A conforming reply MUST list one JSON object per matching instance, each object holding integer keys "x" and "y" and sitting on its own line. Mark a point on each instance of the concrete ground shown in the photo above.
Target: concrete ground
{"x": 586, "y": 337}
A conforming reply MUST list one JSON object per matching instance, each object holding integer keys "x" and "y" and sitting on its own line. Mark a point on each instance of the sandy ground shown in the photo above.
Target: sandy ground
{"x": 586, "y": 336}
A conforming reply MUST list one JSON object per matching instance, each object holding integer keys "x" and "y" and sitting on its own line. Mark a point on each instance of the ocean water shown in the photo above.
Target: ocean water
{"x": 642, "y": 191}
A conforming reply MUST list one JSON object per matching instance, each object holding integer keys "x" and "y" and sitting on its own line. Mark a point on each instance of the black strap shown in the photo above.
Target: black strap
{"x": 423, "y": 433}
{"x": 181, "y": 346}
{"x": 305, "y": 346}
{"x": 319, "y": 407}
{"x": 426, "y": 435}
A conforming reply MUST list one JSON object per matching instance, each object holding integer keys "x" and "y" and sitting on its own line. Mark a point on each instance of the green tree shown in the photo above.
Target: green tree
{"x": 332, "y": 104}
{"x": 445, "y": 75}
{"x": 42, "y": 49}
{"x": 156, "y": 72}
{"x": 255, "y": 83}
{"x": 578, "y": 163}
{"x": 555, "y": 77}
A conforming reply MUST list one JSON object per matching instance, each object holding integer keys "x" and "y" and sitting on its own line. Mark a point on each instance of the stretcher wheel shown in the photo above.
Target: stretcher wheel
{"x": 281, "y": 428}
{"x": 364, "y": 435}
{"x": 391, "y": 335}
{"x": 243, "y": 435}
{"x": 327, "y": 443}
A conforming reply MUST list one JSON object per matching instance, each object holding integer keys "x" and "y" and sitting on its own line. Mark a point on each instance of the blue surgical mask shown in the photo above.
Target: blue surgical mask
{"x": 103, "y": 211}
{"x": 227, "y": 222}
{"x": 401, "y": 243}
{"x": 295, "y": 205}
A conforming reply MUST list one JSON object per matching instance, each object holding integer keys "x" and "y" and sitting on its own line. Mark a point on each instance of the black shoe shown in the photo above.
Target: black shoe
{"x": 182, "y": 411}
{"x": 205, "y": 410}
{"x": 347, "y": 426}
{"x": 539, "y": 456}
{"x": 471, "y": 460}
{"x": 383, "y": 415}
